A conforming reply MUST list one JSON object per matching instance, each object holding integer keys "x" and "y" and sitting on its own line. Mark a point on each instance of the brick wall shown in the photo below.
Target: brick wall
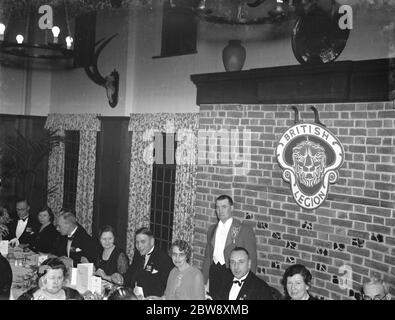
{"x": 354, "y": 227}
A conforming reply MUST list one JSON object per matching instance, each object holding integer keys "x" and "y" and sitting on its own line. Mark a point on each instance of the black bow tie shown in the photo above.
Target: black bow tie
{"x": 23, "y": 219}
{"x": 70, "y": 237}
{"x": 240, "y": 283}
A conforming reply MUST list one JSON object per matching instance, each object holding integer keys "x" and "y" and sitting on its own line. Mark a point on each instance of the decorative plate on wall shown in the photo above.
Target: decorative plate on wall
{"x": 317, "y": 37}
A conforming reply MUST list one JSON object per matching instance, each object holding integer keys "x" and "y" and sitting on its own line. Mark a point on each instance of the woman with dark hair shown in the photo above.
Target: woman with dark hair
{"x": 111, "y": 262}
{"x": 52, "y": 275}
{"x": 47, "y": 234}
{"x": 185, "y": 281}
{"x": 296, "y": 282}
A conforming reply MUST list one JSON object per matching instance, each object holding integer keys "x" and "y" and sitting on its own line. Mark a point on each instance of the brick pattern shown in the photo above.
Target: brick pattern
{"x": 354, "y": 227}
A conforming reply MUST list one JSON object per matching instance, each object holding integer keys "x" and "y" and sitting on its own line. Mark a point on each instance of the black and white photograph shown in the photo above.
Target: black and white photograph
{"x": 210, "y": 151}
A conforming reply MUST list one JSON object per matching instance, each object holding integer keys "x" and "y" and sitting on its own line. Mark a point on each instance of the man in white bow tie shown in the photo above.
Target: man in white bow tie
{"x": 25, "y": 228}
{"x": 150, "y": 267}
{"x": 222, "y": 237}
{"x": 245, "y": 285}
{"x": 75, "y": 245}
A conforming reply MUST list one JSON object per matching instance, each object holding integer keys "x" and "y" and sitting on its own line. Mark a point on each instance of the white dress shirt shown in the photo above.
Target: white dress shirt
{"x": 20, "y": 228}
{"x": 70, "y": 241}
{"x": 220, "y": 240}
{"x": 146, "y": 257}
{"x": 234, "y": 291}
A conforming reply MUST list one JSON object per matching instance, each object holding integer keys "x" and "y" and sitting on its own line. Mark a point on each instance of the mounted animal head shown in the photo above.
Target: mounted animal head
{"x": 109, "y": 82}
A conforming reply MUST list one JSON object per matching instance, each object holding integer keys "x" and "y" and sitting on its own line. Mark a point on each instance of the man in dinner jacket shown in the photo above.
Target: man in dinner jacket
{"x": 74, "y": 242}
{"x": 23, "y": 231}
{"x": 245, "y": 285}
{"x": 222, "y": 237}
{"x": 150, "y": 268}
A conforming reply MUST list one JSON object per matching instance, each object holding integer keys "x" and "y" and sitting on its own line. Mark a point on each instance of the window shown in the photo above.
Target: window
{"x": 179, "y": 28}
{"x": 72, "y": 146}
{"x": 163, "y": 188}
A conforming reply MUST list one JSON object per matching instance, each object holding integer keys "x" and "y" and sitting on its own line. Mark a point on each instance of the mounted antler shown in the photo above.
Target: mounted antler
{"x": 111, "y": 81}
{"x": 296, "y": 114}
{"x": 316, "y": 116}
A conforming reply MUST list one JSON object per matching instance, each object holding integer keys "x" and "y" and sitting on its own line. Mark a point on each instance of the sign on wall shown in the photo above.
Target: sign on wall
{"x": 310, "y": 156}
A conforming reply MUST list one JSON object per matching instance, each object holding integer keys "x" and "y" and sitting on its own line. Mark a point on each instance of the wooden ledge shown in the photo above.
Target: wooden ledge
{"x": 337, "y": 82}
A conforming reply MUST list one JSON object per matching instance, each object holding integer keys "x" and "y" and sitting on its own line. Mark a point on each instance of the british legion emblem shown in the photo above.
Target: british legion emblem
{"x": 310, "y": 156}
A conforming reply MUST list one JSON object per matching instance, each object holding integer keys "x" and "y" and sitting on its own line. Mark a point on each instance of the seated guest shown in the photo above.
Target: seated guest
{"x": 150, "y": 267}
{"x": 245, "y": 285}
{"x": 45, "y": 237}
{"x": 4, "y": 223}
{"x": 185, "y": 281}
{"x": 296, "y": 282}
{"x": 74, "y": 242}
{"x": 23, "y": 231}
{"x": 375, "y": 289}
{"x": 52, "y": 274}
{"x": 122, "y": 293}
{"x": 111, "y": 263}
{"x": 5, "y": 278}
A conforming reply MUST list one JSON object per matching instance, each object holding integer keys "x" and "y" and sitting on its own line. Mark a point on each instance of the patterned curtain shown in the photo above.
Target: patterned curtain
{"x": 86, "y": 179}
{"x": 55, "y": 175}
{"x": 88, "y": 125}
{"x": 144, "y": 126}
{"x": 139, "y": 187}
{"x": 185, "y": 191}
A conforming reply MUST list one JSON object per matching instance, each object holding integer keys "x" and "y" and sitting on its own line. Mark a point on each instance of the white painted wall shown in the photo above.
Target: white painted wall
{"x": 73, "y": 92}
{"x": 163, "y": 85}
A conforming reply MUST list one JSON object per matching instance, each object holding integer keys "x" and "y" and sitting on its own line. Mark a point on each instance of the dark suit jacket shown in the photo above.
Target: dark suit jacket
{"x": 5, "y": 278}
{"x": 82, "y": 246}
{"x": 29, "y": 233}
{"x": 45, "y": 239}
{"x": 239, "y": 235}
{"x": 152, "y": 282}
{"x": 253, "y": 288}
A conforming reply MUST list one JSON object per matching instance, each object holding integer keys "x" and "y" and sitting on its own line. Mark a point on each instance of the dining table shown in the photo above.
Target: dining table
{"x": 24, "y": 265}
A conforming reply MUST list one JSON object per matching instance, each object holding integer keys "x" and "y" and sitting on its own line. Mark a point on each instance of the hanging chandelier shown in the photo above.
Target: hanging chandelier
{"x": 247, "y": 12}
{"x": 38, "y": 35}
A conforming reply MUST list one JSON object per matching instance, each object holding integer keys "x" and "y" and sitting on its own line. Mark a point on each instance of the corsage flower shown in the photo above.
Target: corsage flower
{"x": 235, "y": 233}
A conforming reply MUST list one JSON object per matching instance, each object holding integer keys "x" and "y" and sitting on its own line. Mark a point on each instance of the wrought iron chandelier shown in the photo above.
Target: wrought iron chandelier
{"x": 40, "y": 36}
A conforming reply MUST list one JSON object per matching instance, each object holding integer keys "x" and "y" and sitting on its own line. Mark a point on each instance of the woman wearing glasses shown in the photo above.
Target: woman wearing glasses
{"x": 185, "y": 281}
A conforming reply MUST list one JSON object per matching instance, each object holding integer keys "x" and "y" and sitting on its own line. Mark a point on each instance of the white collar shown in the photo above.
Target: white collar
{"x": 227, "y": 223}
{"x": 151, "y": 250}
{"x": 72, "y": 232}
{"x": 306, "y": 297}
